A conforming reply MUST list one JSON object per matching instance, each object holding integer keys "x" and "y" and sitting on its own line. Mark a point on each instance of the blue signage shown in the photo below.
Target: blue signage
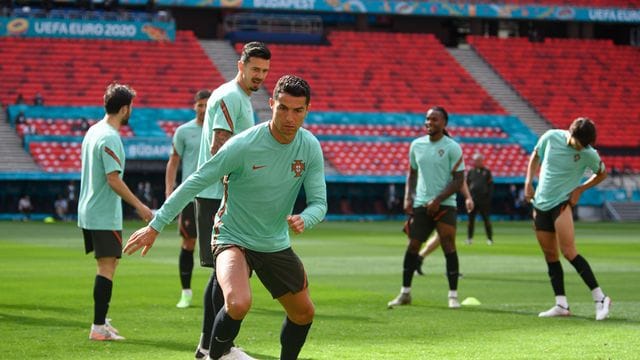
{"x": 424, "y": 8}
{"x": 87, "y": 29}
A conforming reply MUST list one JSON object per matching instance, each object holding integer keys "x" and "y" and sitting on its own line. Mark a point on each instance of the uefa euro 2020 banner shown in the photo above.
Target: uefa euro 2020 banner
{"x": 87, "y": 29}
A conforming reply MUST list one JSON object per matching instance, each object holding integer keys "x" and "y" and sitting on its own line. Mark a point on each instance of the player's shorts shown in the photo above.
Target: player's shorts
{"x": 187, "y": 222}
{"x": 280, "y": 272}
{"x": 205, "y": 216}
{"x": 546, "y": 220}
{"x": 420, "y": 225}
{"x": 104, "y": 243}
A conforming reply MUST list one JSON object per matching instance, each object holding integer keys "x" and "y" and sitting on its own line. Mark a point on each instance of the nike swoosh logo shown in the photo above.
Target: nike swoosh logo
{"x": 256, "y": 167}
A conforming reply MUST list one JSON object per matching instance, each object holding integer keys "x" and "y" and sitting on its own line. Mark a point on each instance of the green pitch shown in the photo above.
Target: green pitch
{"x": 46, "y": 305}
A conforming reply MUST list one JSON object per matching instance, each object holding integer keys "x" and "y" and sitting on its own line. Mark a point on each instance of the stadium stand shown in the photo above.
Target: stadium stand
{"x": 76, "y": 71}
{"x": 381, "y": 72}
{"x": 567, "y": 78}
{"x": 60, "y": 127}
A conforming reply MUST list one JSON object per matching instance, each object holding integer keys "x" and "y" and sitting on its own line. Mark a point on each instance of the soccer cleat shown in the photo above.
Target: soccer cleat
{"x": 201, "y": 354}
{"x": 107, "y": 324}
{"x": 556, "y": 310}
{"x": 402, "y": 299}
{"x": 453, "y": 303}
{"x": 489, "y": 242}
{"x": 235, "y": 354}
{"x": 468, "y": 241}
{"x": 602, "y": 308}
{"x": 102, "y": 333}
{"x": 419, "y": 265}
{"x": 185, "y": 301}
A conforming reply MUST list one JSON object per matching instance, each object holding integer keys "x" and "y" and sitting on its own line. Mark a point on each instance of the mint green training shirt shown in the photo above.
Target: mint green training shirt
{"x": 186, "y": 144}
{"x": 436, "y": 162}
{"x": 99, "y": 207}
{"x": 561, "y": 168}
{"x": 264, "y": 181}
{"x": 229, "y": 108}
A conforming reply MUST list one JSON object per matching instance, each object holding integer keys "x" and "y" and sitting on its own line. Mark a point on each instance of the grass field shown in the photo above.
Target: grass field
{"x": 354, "y": 268}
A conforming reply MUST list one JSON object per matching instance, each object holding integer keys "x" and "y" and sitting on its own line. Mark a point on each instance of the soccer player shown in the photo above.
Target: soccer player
{"x": 100, "y": 205}
{"x": 562, "y": 158}
{"x": 229, "y": 112}
{"x": 436, "y": 173}
{"x": 266, "y": 167}
{"x": 480, "y": 182}
{"x": 434, "y": 242}
{"x": 185, "y": 150}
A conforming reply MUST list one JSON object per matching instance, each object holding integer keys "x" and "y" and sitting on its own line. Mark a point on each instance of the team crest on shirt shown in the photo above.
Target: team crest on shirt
{"x": 576, "y": 157}
{"x": 441, "y": 152}
{"x": 297, "y": 167}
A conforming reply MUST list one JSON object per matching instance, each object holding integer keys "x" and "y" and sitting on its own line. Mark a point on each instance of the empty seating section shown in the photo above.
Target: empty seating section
{"x": 56, "y": 156}
{"x": 169, "y": 127}
{"x": 76, "y": 72}
{"x": 567, "y": 78}
{"x": 391, "y": 158}
{"x": 402, "y": 131}
{"x": 381, "y": 72}
{"x": 60, "y": 127}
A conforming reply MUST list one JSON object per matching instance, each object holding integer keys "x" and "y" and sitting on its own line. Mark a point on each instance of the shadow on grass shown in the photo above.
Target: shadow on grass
{"x": 530, "y": 313}
{"x": 281, "y": 313}
{"x": 37, "y": 307}
{"x": 45, "y": 322}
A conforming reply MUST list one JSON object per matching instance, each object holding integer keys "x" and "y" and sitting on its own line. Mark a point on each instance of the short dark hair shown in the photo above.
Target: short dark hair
{"x": 116, "y": 96}
{"x": 583, "y": 130}
{"x": 202, "y": 94}
{"x": 441, "y": 110}
{"x": 294, "y": 86}
{"x": 255, "y": 49}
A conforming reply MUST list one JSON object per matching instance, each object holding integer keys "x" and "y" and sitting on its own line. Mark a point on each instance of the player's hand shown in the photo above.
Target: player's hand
{"x": 145, "y": 213}
{"x": 143, "y": 238}
{"x": 408, "y": 206}
{"x": 528, "y": 192}
{"x": 296, "y": 223}
{"x": 433, "y": 207}
{"x": 575, "y": 197}
{"x": 469, "y": 204}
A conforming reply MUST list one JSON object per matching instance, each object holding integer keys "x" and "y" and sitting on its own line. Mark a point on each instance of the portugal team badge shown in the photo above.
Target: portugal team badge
{"x": 297, "y": 167}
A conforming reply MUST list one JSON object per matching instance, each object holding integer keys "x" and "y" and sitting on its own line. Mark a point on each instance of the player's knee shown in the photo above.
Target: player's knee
{"x": 304, "y": 316}
{"x": 189, "y": 244}
{"x": 237, "y": 307}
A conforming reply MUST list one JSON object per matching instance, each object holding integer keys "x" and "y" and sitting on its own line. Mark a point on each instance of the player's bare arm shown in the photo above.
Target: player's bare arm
{"x": 452, "y": 187}
{"x": 219, "y": 138}
{"x": 123, "y": 191}
{"x": 171, "y": 173}
{"x": 296, "y": 223}
{"x": 594, "y": 180}
{"x": 532, "y": 170}
{"x": 410, "y": 190}
{"x": 142, "y": 238}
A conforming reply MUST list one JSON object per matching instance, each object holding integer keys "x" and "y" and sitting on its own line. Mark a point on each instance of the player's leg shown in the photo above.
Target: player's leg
{"x": 565, "y": 232}
{"x": 300, "y": 312}
{"x": 188, "y": 234}
{"x": 485, "y": 212}
{"x": 446, "y": 228}
{"x": 432, "y": 244}
{"x": 107, "y": 246}
{"x": 546, "y": 235}
{"x": 232, "y": 272}
{"x": 419, "y": 227}
{"x": 205, "y": 212}
{"x": 472, "y": 223}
